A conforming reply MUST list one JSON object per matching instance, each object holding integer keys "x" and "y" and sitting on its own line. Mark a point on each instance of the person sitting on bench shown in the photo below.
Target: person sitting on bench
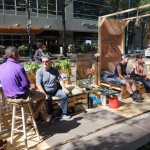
{"x": 138, "y": 73}
{"x": 121, "y": 76}
{"x": 47, "y": 81}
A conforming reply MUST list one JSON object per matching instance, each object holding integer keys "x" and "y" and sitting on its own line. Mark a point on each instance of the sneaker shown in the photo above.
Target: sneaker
{"x": 39, "y": 118}
{"x": 134, "y": 97}
{"x": 64, "y": 117}
{"x": 139, "y": 97}
{"x": 138, "y": 100}
{"x": 53, "y": 118}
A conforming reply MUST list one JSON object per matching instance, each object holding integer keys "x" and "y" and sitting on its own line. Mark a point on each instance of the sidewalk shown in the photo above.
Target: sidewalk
{"x": 128, "y": 135}
{"x": 127, "y": 127}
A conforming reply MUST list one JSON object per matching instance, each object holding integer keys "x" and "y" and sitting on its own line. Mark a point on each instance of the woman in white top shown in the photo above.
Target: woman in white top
{"x": 138, "y": 73}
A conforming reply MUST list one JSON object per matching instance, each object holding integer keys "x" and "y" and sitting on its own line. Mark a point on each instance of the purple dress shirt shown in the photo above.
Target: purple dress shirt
{"x": 13, "y": 79}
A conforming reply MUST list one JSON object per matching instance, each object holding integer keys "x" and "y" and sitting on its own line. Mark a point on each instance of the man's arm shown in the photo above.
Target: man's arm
{"x": 119, "y": 72}
{"x": 63, "y": 87}
{"x": 39, "y": 81}
{"x": 24, "y": 79}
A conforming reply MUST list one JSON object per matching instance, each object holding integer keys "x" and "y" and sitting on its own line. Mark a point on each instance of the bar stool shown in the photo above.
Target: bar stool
{"x": 22, "y": 117}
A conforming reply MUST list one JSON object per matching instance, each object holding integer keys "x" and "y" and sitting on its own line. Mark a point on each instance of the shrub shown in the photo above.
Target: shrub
{"x": 23, "y": 50}
{"x": 2, "y": 49}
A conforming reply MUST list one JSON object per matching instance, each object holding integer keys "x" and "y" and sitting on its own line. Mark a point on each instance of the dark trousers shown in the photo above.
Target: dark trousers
{"x": 63, "y": 102}
{"x": 145, "y": 82}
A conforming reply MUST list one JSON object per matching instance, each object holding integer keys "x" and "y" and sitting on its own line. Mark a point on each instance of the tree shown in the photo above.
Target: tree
{"x": 64, "y": 4}
{"x": 144, "y": 22}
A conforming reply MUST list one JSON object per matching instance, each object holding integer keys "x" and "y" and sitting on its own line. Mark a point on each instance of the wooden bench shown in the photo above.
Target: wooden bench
{"x": 76, "y": 97}
{"x": 123, "y": 90}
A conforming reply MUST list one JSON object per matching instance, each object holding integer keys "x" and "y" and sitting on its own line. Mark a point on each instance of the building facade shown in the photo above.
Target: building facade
{"x": 46, "y": 22}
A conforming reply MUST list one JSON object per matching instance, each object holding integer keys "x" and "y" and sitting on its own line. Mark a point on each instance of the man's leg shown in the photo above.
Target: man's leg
{"x": 39, "y": 98}
{"x": 49, "y": 105}
{"x": 63, "y": 101}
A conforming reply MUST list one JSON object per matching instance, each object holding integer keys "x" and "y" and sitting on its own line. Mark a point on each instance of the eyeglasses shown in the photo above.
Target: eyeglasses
{"x": 45, "y": 61}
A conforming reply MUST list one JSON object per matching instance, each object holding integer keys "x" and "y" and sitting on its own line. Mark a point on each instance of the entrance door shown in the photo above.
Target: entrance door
{"x": 52, "y": 45}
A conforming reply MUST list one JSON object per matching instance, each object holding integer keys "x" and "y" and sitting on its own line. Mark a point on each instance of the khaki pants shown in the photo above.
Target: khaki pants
{"x": 32, "y": 97}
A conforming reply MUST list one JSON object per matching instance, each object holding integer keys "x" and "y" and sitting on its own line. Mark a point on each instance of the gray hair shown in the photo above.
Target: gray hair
{"x": 46, "y": 56}
{"x": 10, "y": 50}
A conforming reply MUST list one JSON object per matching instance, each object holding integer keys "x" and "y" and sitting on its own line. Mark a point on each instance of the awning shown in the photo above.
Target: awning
{"x": 19, "y": 29}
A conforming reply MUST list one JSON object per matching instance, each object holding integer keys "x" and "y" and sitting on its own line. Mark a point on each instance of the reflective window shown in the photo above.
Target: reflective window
{"x": 42, "y": 6}
{"x": 20, "y": 5}
{"x": 1, "y": 4}
{"x": 51, "y": 7}
{"x": 87, "y": 9}
{"x": 59, "y": 7}
{"x": 9, "y": 4}
{"x": 34, "y": 6}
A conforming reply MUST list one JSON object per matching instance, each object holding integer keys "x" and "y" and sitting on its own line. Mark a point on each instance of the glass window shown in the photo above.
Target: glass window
{"x": 9, "y": 4}
{"x": 20, "y": 5}
{"x": 34, "y": 6}
{"x": 51, "y": 7}
{"x": 87, "y": 9}
{"x": 43, "y": 6}
{"x": 17, "y": 37}
{"x": 59, "y": 7}
{"x": 1, "y": 4}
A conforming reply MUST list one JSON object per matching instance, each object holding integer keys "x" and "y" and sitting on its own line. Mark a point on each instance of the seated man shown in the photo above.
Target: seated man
{"x": 15, "y": 82}
{"x": 121, "y": 76}
{"x": 47, "y": 81}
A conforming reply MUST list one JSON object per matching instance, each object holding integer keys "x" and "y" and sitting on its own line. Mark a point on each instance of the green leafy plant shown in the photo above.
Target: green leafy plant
{"x": 23, "y": 50}
{"x": 71, "y": 48}
{"x": 85, "y": 47}
{"x": 2, "y": 48}
{"x": 64, "y": 65}
{"x": 32, "y": 67}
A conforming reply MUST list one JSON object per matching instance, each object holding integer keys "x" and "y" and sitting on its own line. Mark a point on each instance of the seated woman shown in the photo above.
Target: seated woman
{"x": 121, "y": 76}
{"x": 138, "y": 73}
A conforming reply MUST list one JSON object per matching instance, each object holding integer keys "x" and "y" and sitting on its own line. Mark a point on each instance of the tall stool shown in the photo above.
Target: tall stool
{"x": 22, "y": 117}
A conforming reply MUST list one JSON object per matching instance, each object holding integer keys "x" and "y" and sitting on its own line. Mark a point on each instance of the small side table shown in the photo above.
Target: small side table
{"x": 107, "y": 92}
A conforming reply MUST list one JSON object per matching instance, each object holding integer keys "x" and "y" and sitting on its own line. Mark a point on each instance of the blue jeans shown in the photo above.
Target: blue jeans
{"x": 145, "y": 82}
{"x": 63, "y": 102}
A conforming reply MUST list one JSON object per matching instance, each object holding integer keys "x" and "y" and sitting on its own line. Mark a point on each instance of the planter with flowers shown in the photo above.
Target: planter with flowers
{"x": 89, "y": 73}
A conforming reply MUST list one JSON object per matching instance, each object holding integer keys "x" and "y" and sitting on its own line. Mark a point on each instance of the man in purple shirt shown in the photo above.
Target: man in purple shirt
{"x": 15, "y": 82}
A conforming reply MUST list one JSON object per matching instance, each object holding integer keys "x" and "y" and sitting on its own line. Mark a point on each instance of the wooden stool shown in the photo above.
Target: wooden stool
{"x": 14, "y": 117}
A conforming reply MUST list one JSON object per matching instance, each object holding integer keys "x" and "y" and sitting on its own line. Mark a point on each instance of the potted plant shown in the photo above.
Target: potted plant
{"x": 71, "y": 48}
{"x": 23, "y": 50}
{"x": 31, "y": 68}
{"x": 64, "y": 66}
{"x": 2, "y": 48}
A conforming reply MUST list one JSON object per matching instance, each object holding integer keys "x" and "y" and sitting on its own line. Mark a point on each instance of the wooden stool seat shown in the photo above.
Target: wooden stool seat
{"x": 22, "y": 117}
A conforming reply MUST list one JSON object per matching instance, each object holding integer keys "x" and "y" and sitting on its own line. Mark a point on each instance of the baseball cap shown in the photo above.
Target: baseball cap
{"x": 125, "y": 56}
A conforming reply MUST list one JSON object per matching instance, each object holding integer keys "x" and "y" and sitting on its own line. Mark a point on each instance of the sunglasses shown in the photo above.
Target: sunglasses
{"x": 45, "y": 61}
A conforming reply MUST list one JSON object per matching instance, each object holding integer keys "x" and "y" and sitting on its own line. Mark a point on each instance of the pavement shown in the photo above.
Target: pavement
{"x": 127, "y": 128}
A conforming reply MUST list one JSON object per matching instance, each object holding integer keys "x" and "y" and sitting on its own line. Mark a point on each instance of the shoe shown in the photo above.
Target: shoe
{"x": 138, "y": 100}
{"x": 53, "y": 118}
{"x": 134, "y": 97}
{"x": 64, "y": 117}
{"x": 39, "y": 118}
{"x": 29, "y": 122}
{"x": 139, "y": 97}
